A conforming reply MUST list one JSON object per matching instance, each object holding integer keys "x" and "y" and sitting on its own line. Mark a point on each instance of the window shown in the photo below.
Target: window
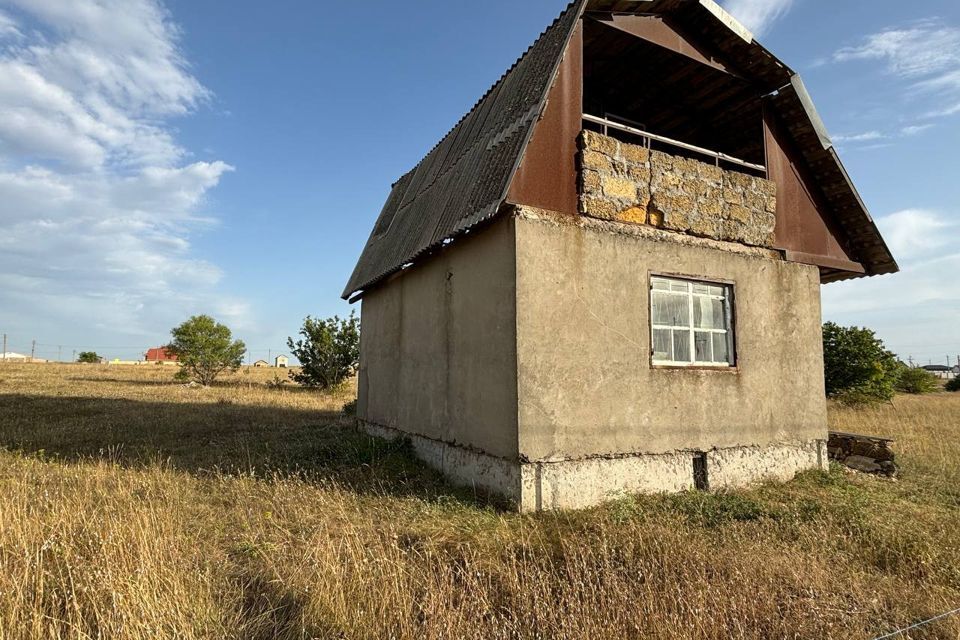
{"x": 692, "y": 323}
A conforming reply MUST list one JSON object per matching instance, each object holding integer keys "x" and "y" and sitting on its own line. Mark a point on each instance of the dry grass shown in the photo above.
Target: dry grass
{"x": 133, "y": 507}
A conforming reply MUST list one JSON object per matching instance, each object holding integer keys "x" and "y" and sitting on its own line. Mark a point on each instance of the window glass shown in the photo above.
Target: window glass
{"x": 661, "y": 344}
{"x": 708, "y": 313}
{"x": 703, "y": 346}
{"x": 671, "y": 310}
{"x": 659, "y": 284}
{"x": 720, "y": 348}
{"x": 690, "y": 322}
{"x": 681, "y": 346}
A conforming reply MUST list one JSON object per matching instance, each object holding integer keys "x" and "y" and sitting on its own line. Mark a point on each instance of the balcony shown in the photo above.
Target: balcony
{"x": 633, "y": 176}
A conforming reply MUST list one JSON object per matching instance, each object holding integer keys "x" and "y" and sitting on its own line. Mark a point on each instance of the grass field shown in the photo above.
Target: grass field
{"x": 135, "y": 507}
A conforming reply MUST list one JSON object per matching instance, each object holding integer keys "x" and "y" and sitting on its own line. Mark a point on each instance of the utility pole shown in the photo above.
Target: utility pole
{"x": 59, "y": 353}
{"x": 4, "y": 346}
{"x": 910, "y": 360}
{"x": 33, "y": 350}
{"x": 74, "y": 359}
{"x": 269, "y": 353}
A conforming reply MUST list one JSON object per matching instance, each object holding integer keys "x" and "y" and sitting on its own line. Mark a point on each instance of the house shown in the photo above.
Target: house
{"x": 941, "y": 371}
{"x": 160, "y": 355}
{"x": 12, "y": 356}
{"x": 259, "y": 364}
{"x": 282, "y": 362}
{"x": 606, "y": 278}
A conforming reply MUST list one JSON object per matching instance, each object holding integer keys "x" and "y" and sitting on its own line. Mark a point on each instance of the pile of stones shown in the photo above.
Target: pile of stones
{"x": 867, "y": 454}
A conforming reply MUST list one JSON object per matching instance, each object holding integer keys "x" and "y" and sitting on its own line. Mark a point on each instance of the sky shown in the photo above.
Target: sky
{"x": 163, "y": 158}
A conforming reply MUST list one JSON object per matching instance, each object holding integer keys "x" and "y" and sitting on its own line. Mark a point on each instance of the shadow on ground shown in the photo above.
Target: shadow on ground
{"x": 287, "y": 386}
{"x": 206, "y": 438}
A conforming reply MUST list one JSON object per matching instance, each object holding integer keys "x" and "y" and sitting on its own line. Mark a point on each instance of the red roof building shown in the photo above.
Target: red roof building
{"x": 159, "y": 354}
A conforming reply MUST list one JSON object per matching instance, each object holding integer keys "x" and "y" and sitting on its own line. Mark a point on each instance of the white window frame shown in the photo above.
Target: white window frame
{"x": 727, "y": 299}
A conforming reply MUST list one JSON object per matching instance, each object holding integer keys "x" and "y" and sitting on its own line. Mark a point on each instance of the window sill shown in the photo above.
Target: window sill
{"x": 698, "y": 367}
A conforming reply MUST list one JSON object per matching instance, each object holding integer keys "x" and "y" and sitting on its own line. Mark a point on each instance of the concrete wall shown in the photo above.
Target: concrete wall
{"x": 438, "y": 346}
{"x": 586, "y": 385}
{"x": 518, "y": 360}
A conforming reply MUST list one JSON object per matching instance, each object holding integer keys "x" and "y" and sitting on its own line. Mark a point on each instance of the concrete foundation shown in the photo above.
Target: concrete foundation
{"x": 577, "y": 484}
{"x": 464, "y": 467}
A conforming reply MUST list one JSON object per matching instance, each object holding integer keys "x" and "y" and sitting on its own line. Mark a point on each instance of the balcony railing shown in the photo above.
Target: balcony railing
{"x": 652, "y": 137}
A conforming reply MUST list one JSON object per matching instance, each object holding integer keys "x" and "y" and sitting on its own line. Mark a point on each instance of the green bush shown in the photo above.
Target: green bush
{"x": 89, "y": 357}
{"x": 329, "y": 351}
{"x": 205, "y": 349}
{"x": 953, "y": 384}
{"x": 916, "y": 381}
{"x": 857, "y": 367}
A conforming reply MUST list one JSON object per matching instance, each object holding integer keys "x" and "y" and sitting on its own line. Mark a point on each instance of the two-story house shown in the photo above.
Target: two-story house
{"x": 606, "y": 278}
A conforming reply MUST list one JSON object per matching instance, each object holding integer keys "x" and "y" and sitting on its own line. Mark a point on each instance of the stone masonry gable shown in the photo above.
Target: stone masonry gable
{"x": 629, "y": 183}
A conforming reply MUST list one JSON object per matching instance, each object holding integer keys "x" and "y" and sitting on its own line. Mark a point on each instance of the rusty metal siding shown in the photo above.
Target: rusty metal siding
{"x": 548, "y": 176}
{"x": 464, "y": 179}
{"x": 804, "y": 223}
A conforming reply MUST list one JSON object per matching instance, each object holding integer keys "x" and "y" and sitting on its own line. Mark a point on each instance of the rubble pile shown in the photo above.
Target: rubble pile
{"x": 867, "y": 454}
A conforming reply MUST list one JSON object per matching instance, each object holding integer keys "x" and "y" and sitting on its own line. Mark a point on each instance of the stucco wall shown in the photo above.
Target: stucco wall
{"x": 438, "y": 346}
{"x": 586, "y": 385}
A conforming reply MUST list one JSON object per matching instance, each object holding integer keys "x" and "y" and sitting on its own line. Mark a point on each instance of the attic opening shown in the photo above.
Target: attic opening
{"x": 642, "y": 72}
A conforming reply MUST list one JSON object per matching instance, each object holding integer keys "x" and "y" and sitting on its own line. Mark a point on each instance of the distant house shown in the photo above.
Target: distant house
{"x": 282, "y": 362}
{"x": 940, "y": 370}
{"x": 10, "y": 356}
{"x": 260, "y": 364}
{"x": 159, "y": 354}
{"x": 607, "y": 276}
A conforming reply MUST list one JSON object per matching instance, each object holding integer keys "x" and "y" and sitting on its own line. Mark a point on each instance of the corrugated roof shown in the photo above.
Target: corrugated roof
{"x": 464, "y": 179}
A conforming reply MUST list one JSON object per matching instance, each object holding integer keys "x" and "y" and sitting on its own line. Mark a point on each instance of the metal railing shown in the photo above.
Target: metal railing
{"x": 646, "y": 135}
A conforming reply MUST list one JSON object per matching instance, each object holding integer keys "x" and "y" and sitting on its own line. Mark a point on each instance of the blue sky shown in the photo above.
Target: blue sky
{"x": 159, "y": 159}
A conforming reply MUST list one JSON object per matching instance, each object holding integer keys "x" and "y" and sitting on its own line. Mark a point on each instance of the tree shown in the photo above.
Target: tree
{"x": 917, "y": 381}
{"x": 857, "y": 367}
{"x": 329, "y": 351}
{"x": 89, "y": 357}
{"x": 205, "y": 349}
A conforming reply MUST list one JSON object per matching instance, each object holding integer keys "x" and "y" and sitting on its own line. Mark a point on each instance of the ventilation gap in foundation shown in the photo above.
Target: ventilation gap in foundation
{"x": 700, "y": 480}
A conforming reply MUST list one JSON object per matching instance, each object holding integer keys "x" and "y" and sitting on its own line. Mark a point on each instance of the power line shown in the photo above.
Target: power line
{"x": 918, "y": 624}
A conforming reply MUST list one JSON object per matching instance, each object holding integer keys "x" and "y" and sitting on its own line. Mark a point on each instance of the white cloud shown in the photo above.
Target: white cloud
{"x": 924, "y": 48}
{"x": 98, "y": 206}
{"x": 859, "y": 137}
{"x": 925, "y": 52}
{"x": 758, "y": 15}
{"x": 915, "y": 129}
{"x": 943, "y": 112}
{"x": 916, "y": 233}
{"x": 8, "y": 27}
{"x": 879, "y": 139}
{"x": 914, "y": 310}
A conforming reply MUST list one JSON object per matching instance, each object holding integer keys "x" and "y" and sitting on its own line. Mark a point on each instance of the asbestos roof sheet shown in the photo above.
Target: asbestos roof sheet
{"x": 464, "y": 179}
